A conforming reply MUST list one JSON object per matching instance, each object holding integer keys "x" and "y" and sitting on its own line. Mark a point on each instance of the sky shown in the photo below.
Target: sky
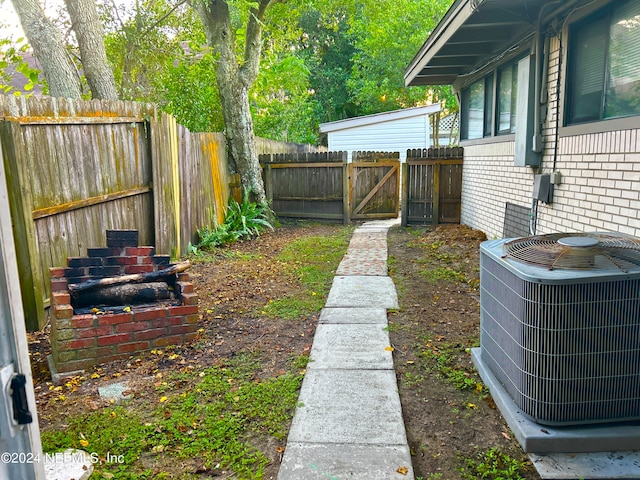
{"x": 9, "y": 17}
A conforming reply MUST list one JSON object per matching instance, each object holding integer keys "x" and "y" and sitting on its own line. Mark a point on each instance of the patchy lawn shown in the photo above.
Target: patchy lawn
{"x": 221, "y": 407}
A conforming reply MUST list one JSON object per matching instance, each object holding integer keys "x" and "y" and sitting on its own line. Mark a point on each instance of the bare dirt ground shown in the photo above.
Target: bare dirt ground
{"x": 448, "y": 416}
{"x": 436, "y": 323}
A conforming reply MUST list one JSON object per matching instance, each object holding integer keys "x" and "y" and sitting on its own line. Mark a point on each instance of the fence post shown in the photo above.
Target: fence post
{"x": 405, "y": 194}
{"x": 346, "y": 191}
{"x": 31, "y": 276}
{"x": 268, "y": 182}
{"x": 436, "y": 194}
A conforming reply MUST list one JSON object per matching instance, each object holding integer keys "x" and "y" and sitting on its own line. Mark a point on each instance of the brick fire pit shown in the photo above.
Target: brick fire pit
{"x": 82, "y": 340}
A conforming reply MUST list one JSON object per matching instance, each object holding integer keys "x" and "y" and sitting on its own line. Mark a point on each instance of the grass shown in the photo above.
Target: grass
{"x": 208, "y": 414}
{"x": 441, "y": 264}
{"x": 311, "y": 262}
{"x": 444, "y": 358}
{"x": 435, "y": 275}
{"x": 492, "y": 464}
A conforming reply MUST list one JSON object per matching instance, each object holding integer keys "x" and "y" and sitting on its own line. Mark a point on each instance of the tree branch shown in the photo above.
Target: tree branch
{"x": 253, "y": 46}
{"x": 162, "y": 18}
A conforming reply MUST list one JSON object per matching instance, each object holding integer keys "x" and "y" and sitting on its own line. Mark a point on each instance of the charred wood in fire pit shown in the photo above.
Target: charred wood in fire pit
{"x": 128, "y": 293}
{"x": 75, "y": 288}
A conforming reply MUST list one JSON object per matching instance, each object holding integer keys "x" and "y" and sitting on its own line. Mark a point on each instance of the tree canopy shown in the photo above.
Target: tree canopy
{"x": 271, "y": 68}
{"x": 322, "y": 60}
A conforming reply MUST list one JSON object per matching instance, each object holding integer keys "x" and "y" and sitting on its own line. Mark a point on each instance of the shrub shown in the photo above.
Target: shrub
{"x": 243, "y": 220}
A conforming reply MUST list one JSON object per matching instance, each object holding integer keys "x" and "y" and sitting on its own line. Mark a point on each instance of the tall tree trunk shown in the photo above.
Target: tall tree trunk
{"x": 49, "y": 49}
{"x": 234, "y": 79}
{"x": 239, "y": 135}
{"x": 90, "y": 35}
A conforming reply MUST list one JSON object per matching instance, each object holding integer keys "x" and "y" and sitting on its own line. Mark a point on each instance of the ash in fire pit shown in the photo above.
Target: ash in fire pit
{"x": 116, "y": 301}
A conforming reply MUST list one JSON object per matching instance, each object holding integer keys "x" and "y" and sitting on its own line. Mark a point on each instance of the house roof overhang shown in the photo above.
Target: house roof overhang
{"x": 472, "y": 34}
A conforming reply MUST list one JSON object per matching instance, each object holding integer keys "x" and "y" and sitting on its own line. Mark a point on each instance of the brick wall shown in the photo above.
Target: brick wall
{"x": 600, "y": 188}
{"x": 80, "y": 341}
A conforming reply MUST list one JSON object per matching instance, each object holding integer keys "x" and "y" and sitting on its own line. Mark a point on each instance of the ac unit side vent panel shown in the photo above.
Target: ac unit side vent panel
{"x": 567, "y": 353}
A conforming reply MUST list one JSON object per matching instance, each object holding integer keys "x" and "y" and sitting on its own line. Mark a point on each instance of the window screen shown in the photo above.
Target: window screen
{"x": 604, "y": 62}
{"x": 623, "y": 89}
{"x": 507, "y": 98}
{"x": 476, "y": 110}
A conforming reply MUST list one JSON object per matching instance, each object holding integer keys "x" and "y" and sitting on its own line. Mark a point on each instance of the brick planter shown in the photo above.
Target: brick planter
{"x": 80, "y": 341}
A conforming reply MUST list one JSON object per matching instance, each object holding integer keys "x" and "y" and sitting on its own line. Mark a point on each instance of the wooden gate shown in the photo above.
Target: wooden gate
{"x": 374, "y": 189}
{"x": 432, "y": 186}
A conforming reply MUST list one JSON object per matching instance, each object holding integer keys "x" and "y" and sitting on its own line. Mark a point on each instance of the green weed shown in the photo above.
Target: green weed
{"x": 392, "y": 327}
{"x": 492, "y": 464}
{"x": 412, "y": 380}
{"x": 243, "y": 220}
{"x": 442, "y": 273}
{"x": 311, "y": 262}
{"x": 444, "y": 358}
{"x": 210, "y": 414}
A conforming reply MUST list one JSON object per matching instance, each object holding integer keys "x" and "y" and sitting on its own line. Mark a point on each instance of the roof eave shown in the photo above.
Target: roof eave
{"x": 455, "y": 17}
{"x": 379, "y": 118}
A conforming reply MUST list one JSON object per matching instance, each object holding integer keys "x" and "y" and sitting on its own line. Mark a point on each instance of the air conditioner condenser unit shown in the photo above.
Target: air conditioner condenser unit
{"x": 560, "y": 325}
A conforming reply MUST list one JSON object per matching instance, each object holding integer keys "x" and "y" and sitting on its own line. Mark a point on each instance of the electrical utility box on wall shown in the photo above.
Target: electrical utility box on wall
{"x": 542, "y": 188}
{"x": 524, "y": 154}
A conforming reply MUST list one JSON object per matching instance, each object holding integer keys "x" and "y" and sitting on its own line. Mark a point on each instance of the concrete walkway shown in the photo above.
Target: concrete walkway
{"x": 348, "y": 424}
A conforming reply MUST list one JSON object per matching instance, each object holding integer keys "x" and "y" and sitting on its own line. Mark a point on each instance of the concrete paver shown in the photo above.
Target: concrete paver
{"x": 333, "y": 461}
{"x": 600, "y": 466}
{"x": 349, "y": 406}
{"x": 354, "y": 315}
{"x": 362, "y": 292}
{"x": 358, "y": 346}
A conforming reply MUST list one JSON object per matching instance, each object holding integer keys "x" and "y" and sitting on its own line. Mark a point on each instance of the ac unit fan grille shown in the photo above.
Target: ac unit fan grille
{"x": 557, "y": 250}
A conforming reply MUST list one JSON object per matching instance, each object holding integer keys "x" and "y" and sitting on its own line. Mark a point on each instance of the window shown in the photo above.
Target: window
{"x": 477, "y": 103}
{"x": 507, "y": 99}
{"x": 604, "y": 65}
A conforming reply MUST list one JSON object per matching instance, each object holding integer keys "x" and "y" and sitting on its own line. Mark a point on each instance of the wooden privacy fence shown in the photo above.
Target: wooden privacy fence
{"x": 432, "y": 186}
{"x": 324, "y": 186}
{"x": 308, "y": 185}
{"x": 77, "y": 168}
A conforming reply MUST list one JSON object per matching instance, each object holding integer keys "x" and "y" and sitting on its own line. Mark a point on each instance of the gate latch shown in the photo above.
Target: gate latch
{"x": 21, "y": 413}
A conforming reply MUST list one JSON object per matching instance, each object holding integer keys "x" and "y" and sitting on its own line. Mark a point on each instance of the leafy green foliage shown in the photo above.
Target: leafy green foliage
{"x": 243, "y": 220}
{"x": 143, "y": 39}
{"x": 13, "y": 62}
{"x": 385, "y": 46}
{"x": 190, "y": 93}
{"x": 327, "y": 49}
{"x": 492, "y": 464}
{"x": 280, "y": 101}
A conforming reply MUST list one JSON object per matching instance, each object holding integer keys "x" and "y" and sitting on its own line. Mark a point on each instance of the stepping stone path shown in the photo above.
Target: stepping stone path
{"x": 348, "y": 424}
